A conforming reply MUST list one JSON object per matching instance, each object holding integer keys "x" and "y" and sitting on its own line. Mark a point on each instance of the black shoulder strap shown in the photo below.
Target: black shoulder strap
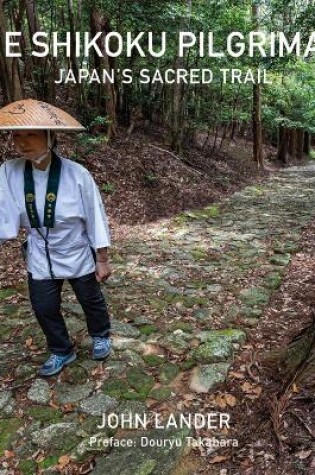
{"x": 51, "y": 193}
{"x": 29, "y": 193}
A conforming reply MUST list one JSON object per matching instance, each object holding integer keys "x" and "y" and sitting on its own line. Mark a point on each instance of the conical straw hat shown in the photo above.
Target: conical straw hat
{"x": 32, "y": 114}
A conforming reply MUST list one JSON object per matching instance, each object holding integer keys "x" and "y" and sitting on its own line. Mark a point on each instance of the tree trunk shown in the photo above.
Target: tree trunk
{"x": 9, "y": 67}
{"x": 292, "y": 142}
{"x": 43, "y": 69}
{"x": 177, "y": 98}
{"x": 176, "y": 113}
{"x": 257, "y": 129}
{"x": 256, "y": 114}
{"x": 82, "y": 101}
{"x": 307, "y": 143}
{"x": 107, "y": 90}
{"x": 283, "y": 145}
{"x": 233, "y": 129}
{"x": 299, "y": 144}
{"x": 31, "y": 14}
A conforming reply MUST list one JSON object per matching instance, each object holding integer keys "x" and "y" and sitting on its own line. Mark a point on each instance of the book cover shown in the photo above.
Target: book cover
{"x": 156, "y": 229}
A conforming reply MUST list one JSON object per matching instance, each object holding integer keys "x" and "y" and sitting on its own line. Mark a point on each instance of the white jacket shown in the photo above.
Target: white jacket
{"x": 80, "y": 219}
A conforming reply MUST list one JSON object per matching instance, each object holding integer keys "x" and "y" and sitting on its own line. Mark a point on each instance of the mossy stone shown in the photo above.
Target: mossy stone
{"x": 89, "y": 424}
{"x": 191, "y": 301}
{"x": 254, "y": 296}
{"x": 157, "y": 304}
{"x": 233, "y": 311}
{"x": 280, "y": 259}
{"x": 199, "y": 254}
{"x": 205, "y": 377}
{"x": 48, "y": 462}
{"x": 98, "y": 403}
{"x": 132, "y": 395}
{"x": 5, "y": 332}
{"x": 8, "y": 429}
{"x": 45, "y": 414}
{"x": 187, "y": 365}
{"x": 27, "y": 467}
{"x": 127, "y": 407}
{"x": 24, "y": 370}
{"x": 153, "y": 360}
{"x": 250, "y": 312}
{"x": 203, "y": 315}
{"x": 76, "y": 374}
{"x": 139, "y": 380}
{"x": 115, "y": 387}
{"x": 148, "y": 460}
{"x": 232, "y": 335}
{"x": 213, "y": 351}
{"x": 147, "y": 467}
{"x": 185, "y": 326}
{"x": 273, "y": 281}
{"x": 5, "y": 293}
{"x": 10, "y": 309}
{"x": 147, "y": 329}
{"x": 116, "y": 367}
{"x": 117, "y": 258}
{"x": 56, "y": 438}
{"x": 176, "y": 343}
{"x": 131, "y": 357}
{"x": 168, "y": 372}
{"x": 160, "y": 394}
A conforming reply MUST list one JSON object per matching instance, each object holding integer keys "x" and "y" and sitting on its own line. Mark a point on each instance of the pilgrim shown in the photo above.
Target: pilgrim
{"x": 57, "y": 202}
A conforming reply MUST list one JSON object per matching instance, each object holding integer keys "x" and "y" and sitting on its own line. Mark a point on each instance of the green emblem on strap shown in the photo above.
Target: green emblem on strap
{"x": 30, "y": 197}
{"x": 51, "y": 197}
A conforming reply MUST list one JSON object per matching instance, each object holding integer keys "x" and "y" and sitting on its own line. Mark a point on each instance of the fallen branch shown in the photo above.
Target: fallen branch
{"x": 306, "y": 427}
{"x": 177, "y": 158}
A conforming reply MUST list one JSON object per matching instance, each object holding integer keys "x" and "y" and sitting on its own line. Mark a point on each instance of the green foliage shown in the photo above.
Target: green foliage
{"x": 147, "y": 329}
{"x": 5, "y": 293}
{"x": 48, "y": 462}
{"x": 100, "y": 121}
{"x": 96, "y": 140}
{"x": 288, "y": 101}
{"x": 150, "y": 179}
{"x": 153, "y": 360}
{"x": 108, "y": 187}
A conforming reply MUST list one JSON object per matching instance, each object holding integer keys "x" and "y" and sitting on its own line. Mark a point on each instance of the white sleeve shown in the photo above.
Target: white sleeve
{"x": 9, "y": 211}
{"x": 95, "y": 215}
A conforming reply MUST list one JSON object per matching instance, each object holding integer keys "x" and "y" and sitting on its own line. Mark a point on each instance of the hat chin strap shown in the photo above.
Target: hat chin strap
{"x": 42, "y": 157}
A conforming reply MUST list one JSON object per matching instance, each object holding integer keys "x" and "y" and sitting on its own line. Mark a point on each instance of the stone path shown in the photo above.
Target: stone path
{"x": 182, "y": 296}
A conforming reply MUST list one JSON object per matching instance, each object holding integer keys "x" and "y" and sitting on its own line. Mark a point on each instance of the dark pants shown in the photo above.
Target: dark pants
{"x": 45, "y": 297}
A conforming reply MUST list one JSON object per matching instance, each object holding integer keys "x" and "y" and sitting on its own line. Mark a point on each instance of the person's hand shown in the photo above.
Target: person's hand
{"x": 102, "y": 271}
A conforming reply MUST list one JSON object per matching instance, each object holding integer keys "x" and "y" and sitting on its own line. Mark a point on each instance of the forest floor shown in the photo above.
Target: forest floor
{"x": 196, "y": 298}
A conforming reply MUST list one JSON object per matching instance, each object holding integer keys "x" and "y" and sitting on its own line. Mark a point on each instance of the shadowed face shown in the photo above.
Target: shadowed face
{"x": 30, "y": 143}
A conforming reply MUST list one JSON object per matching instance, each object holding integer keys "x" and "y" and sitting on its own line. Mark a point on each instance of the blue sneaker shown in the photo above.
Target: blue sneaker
{"x": 101, "y": 347}
{"x": 55, "y": 364}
